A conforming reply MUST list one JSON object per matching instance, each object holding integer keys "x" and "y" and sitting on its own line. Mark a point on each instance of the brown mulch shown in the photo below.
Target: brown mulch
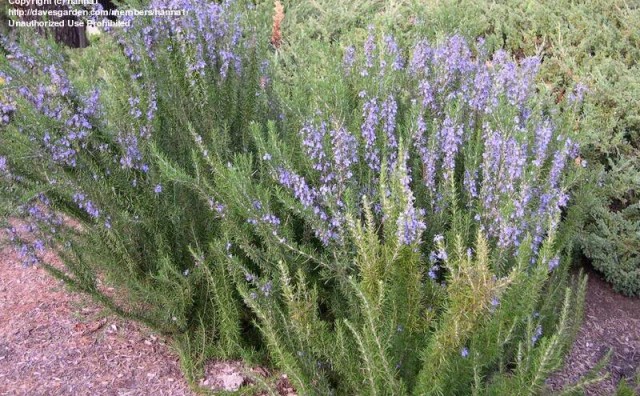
{"x": 612, "y": 321}
{"x": 53, "y": 342}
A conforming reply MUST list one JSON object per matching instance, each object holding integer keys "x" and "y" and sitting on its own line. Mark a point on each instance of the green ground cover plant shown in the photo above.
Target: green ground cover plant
{"x": 368, "y": 210}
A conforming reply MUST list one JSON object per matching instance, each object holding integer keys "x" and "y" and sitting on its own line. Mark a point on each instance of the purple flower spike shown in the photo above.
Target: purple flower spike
{"x": 392, "y": 49}
{"x": 389, "y": 112}
{"x": 577, "y": 95}
{"x": 451, "y": 138}
{"x": 371, "y": 116}
{"x": 420, "y": 58}
{"x": 3, "y": 165}
{"x": 301, "y": 190}
{"x": 495, "y": 302}
{"x": 369, "y": 49}
{"x": 410, "y": 224}
{"x": 349, "y": 59}
{"x": 553, "y": 263}
{"x": 536, "y": 335}
{"x": 313, "y": 142}
{"x": 344, "y": 153}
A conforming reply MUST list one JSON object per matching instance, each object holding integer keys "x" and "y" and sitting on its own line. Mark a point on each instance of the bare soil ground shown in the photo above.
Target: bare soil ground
{"x": 54, "y": 342}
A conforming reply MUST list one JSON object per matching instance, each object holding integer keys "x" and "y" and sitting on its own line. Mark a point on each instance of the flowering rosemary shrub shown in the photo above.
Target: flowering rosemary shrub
{"x": 407, "y": 239}
{"x": 403, "y": 236}
{"x": 77, "y": 159}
